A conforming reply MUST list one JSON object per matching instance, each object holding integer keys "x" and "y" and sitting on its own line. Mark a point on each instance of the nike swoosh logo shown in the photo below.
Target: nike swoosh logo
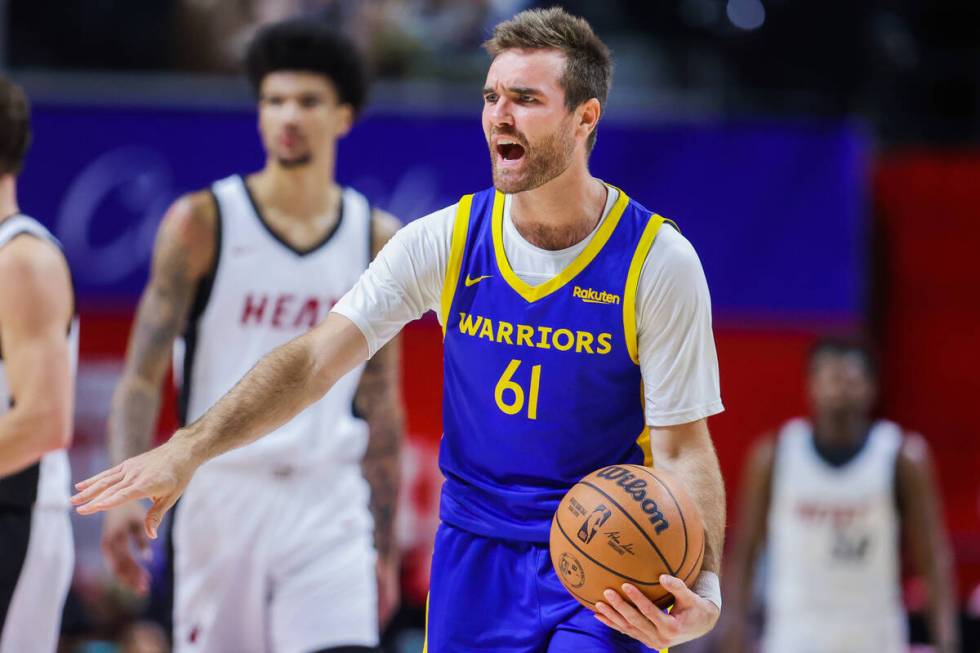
{"x": 470, "y": 281}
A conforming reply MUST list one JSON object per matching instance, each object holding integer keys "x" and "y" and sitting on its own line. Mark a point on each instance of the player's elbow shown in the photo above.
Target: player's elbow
{"x": 47, "y": 426}
{"x": 690, "y": 441}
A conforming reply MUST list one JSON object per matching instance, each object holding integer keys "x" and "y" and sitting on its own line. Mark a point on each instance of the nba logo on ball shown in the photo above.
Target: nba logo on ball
{"x": 590, "y": 526}
{"x": 626, "y": 524}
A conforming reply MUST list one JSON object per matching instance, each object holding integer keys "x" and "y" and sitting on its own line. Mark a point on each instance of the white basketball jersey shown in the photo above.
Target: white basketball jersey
{"x": 47, "y": 483}
{"x": 264, "y": 293}
{"x": 833, "y": 581}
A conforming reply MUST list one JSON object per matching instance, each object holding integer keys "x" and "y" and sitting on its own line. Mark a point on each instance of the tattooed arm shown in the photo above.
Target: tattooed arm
{"x": 378, "y": 400}
{"x": 183, "y": 254}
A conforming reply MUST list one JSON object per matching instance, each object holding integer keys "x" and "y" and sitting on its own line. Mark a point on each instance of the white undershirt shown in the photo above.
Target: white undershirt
{"x": 674, "y": 339}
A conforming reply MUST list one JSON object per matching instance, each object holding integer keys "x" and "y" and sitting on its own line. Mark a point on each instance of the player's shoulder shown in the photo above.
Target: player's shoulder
{"x": 894, "y": 436}
{"x": 27, "y": 254}
{"x": 33, "y": 269}
{"x": 671, "y": 263}
{"x": 914, "y": 467}
{"x": 672, "y": 245}
{"x": 669, "y": 245}
{"x": 913, "y": 448}
{"x": 440, "y": 217}
{"x": 192, "y": 219}
{"x": 197, "y": 206}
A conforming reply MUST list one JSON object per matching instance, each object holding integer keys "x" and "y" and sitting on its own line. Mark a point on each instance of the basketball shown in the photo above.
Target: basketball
{"x": 626, "y": 523}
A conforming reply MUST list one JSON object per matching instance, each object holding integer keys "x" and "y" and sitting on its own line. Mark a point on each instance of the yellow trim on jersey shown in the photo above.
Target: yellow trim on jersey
{"x": 534, "y": 293}
{"x": 644, "y": 443}
{"x": 455, "y": 264}
{"x": 425, "y": 640}
{"x": 633, "y": 280}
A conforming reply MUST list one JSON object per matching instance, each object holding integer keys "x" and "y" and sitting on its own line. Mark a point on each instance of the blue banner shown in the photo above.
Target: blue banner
{"x": 775, "y": 210}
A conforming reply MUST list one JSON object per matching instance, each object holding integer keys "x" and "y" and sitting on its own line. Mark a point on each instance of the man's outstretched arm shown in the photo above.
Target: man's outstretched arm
{"x": 282, "y": 384}
{"x": 402, "y": 282}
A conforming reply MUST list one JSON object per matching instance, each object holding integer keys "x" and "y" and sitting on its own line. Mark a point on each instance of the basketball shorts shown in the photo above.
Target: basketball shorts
{"x": 503, "y": 596}
{"x": 36, "y": 564}
{"x": 274, "y": 562}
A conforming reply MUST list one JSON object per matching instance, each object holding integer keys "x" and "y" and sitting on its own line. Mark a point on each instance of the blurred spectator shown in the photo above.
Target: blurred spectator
{"x": 831, "y": 497}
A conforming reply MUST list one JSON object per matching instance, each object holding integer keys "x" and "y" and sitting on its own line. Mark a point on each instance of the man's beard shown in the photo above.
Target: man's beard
{"x": 301, "y": 160}
{"x": 543, "y": 162}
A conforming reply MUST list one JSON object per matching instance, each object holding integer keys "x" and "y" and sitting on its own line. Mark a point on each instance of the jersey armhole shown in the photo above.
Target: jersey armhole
{"x": 455, "y": 264}
{"x": 633, "y": 281}
{"x": 202, "y": 293}
{"x": 202, "y": 297}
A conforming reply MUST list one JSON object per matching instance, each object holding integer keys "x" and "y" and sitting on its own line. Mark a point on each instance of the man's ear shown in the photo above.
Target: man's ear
{"x": 588, "y": 114}
{"x": 345, "y": 119}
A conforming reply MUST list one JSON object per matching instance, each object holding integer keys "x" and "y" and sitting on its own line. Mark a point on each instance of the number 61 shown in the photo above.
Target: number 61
{"x": 506, "y": 383}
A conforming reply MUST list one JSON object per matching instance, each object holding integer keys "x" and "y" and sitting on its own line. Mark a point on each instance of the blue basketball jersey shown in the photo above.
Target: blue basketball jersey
{"x": 542, "y": 383}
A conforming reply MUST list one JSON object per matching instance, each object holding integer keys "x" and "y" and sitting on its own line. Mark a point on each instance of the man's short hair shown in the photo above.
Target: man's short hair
{"x": 588, "y": 63}
{"x": 15, "y": 127}
{"x": 845, "y": 346}
{"x": 306, "y": 45}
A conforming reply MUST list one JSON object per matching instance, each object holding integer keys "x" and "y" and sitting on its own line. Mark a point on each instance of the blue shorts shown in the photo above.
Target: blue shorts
{"x": 503, "y": 596}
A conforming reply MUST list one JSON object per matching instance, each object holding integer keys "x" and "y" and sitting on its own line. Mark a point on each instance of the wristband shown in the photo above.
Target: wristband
{"x": 708, "y": 587}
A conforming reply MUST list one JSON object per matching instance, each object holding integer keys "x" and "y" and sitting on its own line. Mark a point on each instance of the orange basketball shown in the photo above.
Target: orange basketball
{"x": 626, "y": 523}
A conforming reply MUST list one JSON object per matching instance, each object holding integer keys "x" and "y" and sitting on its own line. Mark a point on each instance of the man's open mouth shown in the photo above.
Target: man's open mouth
{"x": 509, "y": 150}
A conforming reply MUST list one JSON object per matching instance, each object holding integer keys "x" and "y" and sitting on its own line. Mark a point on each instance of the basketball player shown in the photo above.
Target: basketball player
{"x": 270, "y": 537}
{"x": 38, "y": 352}
{"x": 560, "y": 298}
{"x": 831, "y": 496}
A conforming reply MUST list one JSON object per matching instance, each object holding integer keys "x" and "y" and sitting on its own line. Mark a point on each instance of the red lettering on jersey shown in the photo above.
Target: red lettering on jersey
{"x": 253, "y": 310}
{"x": 840, "y": 514}
{"x": 281, "y": 302}
{"x": 309, "y": 314}
{"x": 284, "y": 310}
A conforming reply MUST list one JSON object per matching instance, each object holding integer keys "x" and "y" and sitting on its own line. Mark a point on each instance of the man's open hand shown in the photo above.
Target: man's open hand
{"x": 160, "y": 475}
{"x": 638, "y": 617}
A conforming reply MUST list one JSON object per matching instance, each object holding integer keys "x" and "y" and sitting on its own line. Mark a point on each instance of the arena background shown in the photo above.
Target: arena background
{"x": 822, "y": 157}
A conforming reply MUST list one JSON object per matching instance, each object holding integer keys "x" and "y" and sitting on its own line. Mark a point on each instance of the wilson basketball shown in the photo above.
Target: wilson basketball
{"x": 626, "y": 523}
